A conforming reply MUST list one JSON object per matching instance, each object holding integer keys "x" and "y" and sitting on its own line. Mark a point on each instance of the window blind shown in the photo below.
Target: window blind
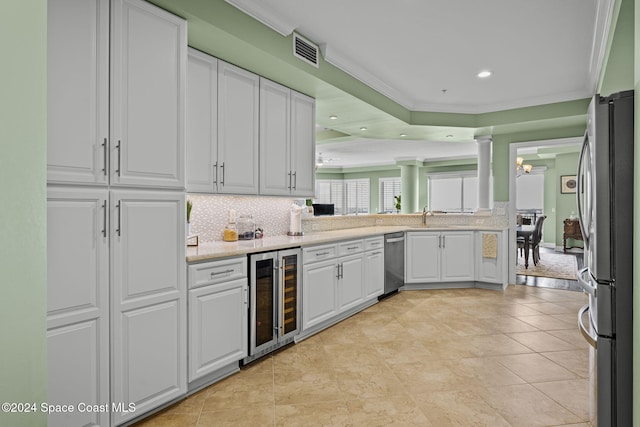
{"x": 388, "y": 187}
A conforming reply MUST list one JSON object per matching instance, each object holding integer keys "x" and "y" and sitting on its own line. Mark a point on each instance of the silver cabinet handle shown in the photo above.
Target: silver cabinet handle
{"x": 104, "y": 219}
{"x": 246, "y": 296}
{"x": 591, "y": 339}
{"x": 350, "y": 248}
{"x": 119, "y": 148}
{"x": 289, "y": 180}
{"x": 215, "y": 273}
{"x": 376, "y": 253}
{"x": 338, "y": 273}
{"x": 322, "y": 253}
{"x": 443, "y": 241}
{"x": 105, "y": 154}
{"x": 295, "y": 180}
{"x": 118, "y": 229}
{"x": 439, "y": 242}
{"x": 222, "y": 180}
{"x": 215, "y": 173}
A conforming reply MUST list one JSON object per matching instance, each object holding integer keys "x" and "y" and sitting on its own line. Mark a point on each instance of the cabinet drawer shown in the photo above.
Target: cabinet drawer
{"x": 350, "y": 247}
{"x": 374, "y": 243}
{"x": 319, "y": 253}
{"x": 217, "y": 271}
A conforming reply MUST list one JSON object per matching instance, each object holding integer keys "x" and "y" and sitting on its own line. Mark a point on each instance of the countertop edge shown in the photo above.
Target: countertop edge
{"x": 218, "y": 250}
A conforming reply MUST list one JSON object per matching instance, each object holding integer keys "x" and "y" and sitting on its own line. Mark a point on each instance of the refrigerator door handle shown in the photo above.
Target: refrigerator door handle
{"x": 579, "y": 189}
{"x": 584, "y": 284}
{"x": 591, "y": 339}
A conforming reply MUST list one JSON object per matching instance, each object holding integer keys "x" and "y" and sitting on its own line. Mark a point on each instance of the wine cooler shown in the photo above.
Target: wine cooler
{"x": 274, "y": 304}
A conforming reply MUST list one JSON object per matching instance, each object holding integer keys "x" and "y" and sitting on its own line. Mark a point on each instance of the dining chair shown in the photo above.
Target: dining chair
{"x": 536, "y": 239}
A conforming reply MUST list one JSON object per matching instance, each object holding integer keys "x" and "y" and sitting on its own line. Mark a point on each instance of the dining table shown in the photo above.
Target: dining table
{"x": 525, "y": 231}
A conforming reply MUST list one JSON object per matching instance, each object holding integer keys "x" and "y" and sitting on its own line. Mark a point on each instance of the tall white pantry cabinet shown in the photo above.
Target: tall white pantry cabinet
{"x": 116, "y": 271}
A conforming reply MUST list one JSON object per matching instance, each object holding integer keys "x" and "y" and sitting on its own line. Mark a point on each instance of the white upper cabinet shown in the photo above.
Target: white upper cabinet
{"x": 77, "y": 91}
{"x": 148, "y": 90}
{"x": 116, "y": 94}
{"x": 238, "y": 129}
{"x": 287, "y": 141}
{"x": 202, "y": 122}
{"x": 275, "y": 139}
{"x": 303, "y": 144}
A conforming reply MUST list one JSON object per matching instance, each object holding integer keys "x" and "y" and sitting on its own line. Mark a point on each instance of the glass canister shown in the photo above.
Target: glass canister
{"x": 246, "y": 227}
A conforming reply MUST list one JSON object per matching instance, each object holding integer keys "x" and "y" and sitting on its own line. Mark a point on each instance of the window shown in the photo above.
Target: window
{"x": 530, "y": 191}
{"x": 357, "y": 196}
{"x": 389, "y": 187}
{"x": 453, "y": 192}
{"x": 349, "y": 196}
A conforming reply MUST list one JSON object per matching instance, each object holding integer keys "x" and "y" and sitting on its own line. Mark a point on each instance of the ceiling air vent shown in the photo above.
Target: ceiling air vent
{"x": 305, "y": 50}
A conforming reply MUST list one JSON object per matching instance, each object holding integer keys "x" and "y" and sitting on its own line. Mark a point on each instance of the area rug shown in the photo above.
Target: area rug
{"x": 552, "y": 264}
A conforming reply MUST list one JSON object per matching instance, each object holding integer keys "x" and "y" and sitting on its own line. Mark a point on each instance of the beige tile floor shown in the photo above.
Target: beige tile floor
{"x": 465, "y": 357}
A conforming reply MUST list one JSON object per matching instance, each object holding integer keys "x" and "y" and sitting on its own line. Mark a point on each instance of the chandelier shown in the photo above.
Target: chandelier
{"x": 522, "y": 168}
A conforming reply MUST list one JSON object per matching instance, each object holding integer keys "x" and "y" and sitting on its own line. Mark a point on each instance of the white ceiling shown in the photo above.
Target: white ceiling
{"x": 425, "y": 54}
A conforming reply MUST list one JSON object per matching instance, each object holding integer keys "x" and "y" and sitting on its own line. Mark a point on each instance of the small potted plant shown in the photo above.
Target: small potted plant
{"x": 397, "y": 202}
{"x": 189, "y": 207}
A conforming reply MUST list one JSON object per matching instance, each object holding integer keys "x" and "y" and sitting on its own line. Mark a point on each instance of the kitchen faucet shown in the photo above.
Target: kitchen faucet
{"x": 424, "y": 216}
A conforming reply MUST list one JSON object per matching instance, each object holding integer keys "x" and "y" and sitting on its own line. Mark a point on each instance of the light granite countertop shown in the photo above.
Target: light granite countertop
{"x": 213, "y": 250}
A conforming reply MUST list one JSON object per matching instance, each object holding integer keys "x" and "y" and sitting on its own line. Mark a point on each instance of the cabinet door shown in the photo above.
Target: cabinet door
{"x": 148, "y": 90}
{"x": 148, "y": 306}
{"x": 77, "y": 90}
{"x": 238, "y": 130}
{"x": 202, "y": 122}
{"x": 77, "y": 303}
{"x": 490, "y": 269}
{"x": 303, "y": 144}
{"x": 218, "y": 328}
{"x": 319, "y": 298}
{"x": 275, "y": 171}
{"x": 351, "y": 282}
{"x": 373, "y": 274}
{"x": 423, "y": 257}
{"x": 458, "y": 256}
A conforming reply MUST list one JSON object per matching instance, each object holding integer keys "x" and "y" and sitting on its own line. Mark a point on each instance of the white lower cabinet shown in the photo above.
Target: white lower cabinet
{"x": 126, "y": 245}
{"x": 218, "y": 322}
{"x": 148, "y": 306}
{"x": 77, "y": 303}
{"x": 320, "y": 292}
{"x": 440, "y": 257}
{"x": 334, "y": 280}
{"x": 491, "y": 257}
{"x": 351, "y": 282}
{"x": 373, "y": 267}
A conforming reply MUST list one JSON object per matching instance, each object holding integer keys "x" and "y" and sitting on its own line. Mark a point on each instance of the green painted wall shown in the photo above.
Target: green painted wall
{"x": 566, "y": 164}
{"x": 23, "y": 374}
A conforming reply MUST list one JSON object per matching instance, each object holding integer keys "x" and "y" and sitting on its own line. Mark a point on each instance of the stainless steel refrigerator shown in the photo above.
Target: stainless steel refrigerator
{"x": 605, "y": 205}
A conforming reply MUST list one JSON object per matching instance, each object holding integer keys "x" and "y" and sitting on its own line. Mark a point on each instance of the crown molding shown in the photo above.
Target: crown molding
{"x": 264, "y": 15}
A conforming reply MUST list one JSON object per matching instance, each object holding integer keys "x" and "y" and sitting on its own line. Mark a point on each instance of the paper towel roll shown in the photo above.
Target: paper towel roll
{"x": 295, "y": 219}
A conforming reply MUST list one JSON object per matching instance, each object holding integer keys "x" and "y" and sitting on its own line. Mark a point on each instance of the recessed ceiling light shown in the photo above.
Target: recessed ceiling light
{"x": 449, "y": 136}
{"x": 403, "y": 135}
{"x": 333, "y": 117}
{"x": 363, "y": 128}
{"x": 484, "y": 74}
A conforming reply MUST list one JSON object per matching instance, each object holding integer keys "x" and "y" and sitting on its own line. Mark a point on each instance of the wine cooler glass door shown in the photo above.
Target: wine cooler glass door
{"x": 290, "y": 305}
{"x": 263, "y": 304}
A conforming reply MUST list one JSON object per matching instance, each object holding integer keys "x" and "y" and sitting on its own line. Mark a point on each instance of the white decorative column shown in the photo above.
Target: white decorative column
{"x": 484, "y": 173}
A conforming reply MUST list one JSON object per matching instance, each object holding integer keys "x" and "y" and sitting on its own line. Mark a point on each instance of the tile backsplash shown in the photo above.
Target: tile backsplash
{"x": 210, "y": 214}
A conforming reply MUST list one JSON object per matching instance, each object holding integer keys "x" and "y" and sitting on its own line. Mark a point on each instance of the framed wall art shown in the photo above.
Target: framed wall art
{"x": 568, "y": 184}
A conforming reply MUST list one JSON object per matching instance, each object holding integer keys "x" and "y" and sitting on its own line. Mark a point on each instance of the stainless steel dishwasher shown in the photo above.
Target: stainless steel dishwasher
{"x": 393, "y": 263}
